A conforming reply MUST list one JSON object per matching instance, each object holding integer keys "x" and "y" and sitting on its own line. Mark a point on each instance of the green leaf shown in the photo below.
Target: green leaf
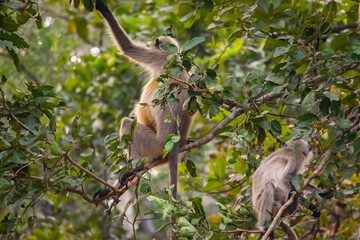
{"x": 19, "y": 158}
{"x": 300, "y": 55}
{"x": 76, "y": 3}
{"x": 15, "y": 58}
{"x": 297, "y": 181}
{"x": 4, "y": 183}
{"x": 355, "y": 56}
{"x": 349, "y": 172}
{"x": 263, "y": 6}
{"x": 168, "y": 47}
{"x": 197, "y": 205}
{"x": 338, "y": 146}
{"x": 344, "y": 123}
{"x": 275, "y": 127}
{"x": 82, "y": 28}
{"x": 3, "y": 80}
{"x": 192, "y": 43}
{"x": 4, "y": 145}
{"x": 280, "y": 51}
{"x": 324, "y": 106}
{"x": 327, "y": 53}
{"x": 88, "y": 4}
{"x": 170, "y": 140}
{"x": 332, "y": 96}
{"x": 309, "y": 103}
{"x": 176, "y": 71}
{"x": 55, "y": 149}
{"x": 306, "y": 119}
{"x": 191, "y": 167}
{"x": 87, "y": 152}
{"x": 277, "y": 78}
{"x": 39, "y": 22}
{"x": 145, "y": 188}
{"x": 52, "y": 123}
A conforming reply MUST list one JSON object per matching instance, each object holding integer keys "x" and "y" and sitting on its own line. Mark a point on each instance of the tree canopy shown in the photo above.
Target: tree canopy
{"x": 262, "y": 72}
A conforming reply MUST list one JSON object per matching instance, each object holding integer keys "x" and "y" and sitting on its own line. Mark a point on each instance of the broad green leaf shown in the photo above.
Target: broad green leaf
{"x": 309, "y": 103}
{"x": 4, "y": 183}
{"x": 191, "y": 167}
{"x": 275, "y": 127}
{"x": 297, "y": 181}
{"x": 88, "y": 4}
{"x": 55, "y": 149}
{"x": 338, "y": 146}
{"x": 332, "y": 96}
{"x": 192, "y": 43}
{"x": 349, "y": 172}
{"x": 263, "y": 6}
{"x": 344, "y": 123}
{"x": 280, "y": 51}
{"x": 176, "y": 71}
{"x": 277, "y": 78}
{"x": 306, "y": 119}
{"x": 197, "y": 205}
{"x": 145, "y": 188}
{"x": 87, "y": 152}
{"x": 4, "y": 145}
{"x": 82, "y": 28}
{"x": 168, "y": 47}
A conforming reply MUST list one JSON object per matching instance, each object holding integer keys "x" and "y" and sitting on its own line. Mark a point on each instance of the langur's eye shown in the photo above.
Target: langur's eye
{"x": 283, "y": 144}
{"x": 157, "y": 43}
{"x": 310, "y": 147}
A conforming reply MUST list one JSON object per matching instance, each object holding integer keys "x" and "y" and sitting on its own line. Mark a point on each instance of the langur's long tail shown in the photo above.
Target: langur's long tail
{"x": 265, "y": 205}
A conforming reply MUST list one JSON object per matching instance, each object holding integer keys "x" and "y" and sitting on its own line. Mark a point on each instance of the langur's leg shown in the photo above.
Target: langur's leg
{"x": 144, "y": 144}
{"x": 145, "y": 141}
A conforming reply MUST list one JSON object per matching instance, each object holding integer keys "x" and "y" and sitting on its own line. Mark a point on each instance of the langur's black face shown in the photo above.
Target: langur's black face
{"x": 310, "y": 147}
{"x": 159, "y": 40}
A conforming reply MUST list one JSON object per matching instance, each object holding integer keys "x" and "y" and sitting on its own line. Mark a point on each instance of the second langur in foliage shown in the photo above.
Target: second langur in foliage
{"x": 151, "y": 128}
{"x": 272, "y": 187}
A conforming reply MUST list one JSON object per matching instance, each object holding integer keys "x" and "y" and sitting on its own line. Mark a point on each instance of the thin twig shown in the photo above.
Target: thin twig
{"x": 12, "y": 114}
{"x": 63, "y": 153}
{"x": 241, "y": 230}
{"x": 33, "y": 162}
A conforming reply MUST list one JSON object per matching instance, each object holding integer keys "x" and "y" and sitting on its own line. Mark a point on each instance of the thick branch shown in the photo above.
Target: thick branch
{"x": 344, "y": 27}
{"x": 225, "y": 122}
{"x": 318, "y": 170}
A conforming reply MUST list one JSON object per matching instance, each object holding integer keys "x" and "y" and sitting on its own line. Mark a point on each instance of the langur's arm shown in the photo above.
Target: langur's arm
{"x": 292, "y": 167}
{"x": 117, "y": 31}
{"x": 136, "y": 51}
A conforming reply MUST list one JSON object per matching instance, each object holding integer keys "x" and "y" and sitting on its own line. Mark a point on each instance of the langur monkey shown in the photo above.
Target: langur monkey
{"x": 272, "y": 186}
{"x": 151, "y": 128}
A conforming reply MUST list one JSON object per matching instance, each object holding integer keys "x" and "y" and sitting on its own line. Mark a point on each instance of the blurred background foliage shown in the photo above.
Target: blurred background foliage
{"x": 67, "y": 88}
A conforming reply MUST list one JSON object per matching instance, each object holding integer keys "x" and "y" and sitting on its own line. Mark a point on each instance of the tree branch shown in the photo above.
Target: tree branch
{"x": 344, "y": 27}
{"x": 64, "y": 154}
{"x": 12, "y": 114}
{"x": 225, "y": 122}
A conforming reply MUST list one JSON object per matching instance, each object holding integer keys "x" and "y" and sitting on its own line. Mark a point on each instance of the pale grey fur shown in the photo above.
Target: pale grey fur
{"x": 272, "y": 180}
